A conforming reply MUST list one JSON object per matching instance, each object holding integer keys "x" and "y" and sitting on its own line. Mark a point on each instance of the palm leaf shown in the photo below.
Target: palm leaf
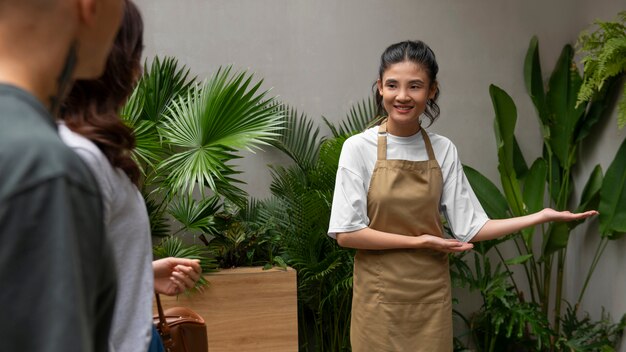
{"x": 299, "y": 140}
{"x": 194, "y": 216}
{"x": 224, "y": 114}
{"x": 360, "y": 117}
{"x": 162, "y": 82}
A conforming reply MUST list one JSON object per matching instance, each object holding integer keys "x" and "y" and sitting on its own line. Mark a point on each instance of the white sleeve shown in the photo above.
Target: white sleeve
{"x": 349, "y": 209}
{"x": 459, "y": 204}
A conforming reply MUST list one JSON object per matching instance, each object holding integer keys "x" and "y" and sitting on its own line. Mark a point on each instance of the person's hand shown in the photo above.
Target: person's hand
{"x": 172, "y": 276}
{"x": 554, "y": 215}
{"x": 446, "y": 245}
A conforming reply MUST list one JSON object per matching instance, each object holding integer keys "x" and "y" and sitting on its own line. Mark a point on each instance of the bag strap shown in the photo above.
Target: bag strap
{"x": 163, "y": 327}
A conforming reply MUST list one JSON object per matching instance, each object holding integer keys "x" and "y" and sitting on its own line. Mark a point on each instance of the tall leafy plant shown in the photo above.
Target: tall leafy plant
{"x": 188, "y": 133}
{"x": 564, "y": 125}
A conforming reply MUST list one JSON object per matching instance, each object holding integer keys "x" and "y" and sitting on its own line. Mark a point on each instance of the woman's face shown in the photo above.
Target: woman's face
{"x": 405, "y": 88}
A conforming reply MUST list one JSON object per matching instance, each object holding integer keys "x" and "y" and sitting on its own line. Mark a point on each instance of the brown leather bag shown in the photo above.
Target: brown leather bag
{"x": 181, "y": 329}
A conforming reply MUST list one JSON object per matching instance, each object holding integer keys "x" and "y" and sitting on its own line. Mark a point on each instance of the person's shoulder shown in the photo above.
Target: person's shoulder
{"x": 34, "y": 154}
{"x": 85, "y": 148}
{"x": 363, "y": 139}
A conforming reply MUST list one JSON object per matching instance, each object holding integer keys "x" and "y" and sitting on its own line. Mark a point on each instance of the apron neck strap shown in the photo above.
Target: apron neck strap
{"x": 429, "y": 147}
{"x": 382, "y": 143}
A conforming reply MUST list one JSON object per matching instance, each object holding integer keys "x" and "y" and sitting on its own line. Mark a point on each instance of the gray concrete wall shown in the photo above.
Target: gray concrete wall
{"x": 321, "y": 57}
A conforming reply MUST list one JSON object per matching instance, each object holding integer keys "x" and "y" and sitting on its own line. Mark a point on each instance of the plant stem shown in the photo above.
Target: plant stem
{"x": 547, "y": 273}
{"x": 596, "y": 258}
{"x": 534, "y": 274}
{"x": 559, "y": 292}
{"x": 508, "y": 269}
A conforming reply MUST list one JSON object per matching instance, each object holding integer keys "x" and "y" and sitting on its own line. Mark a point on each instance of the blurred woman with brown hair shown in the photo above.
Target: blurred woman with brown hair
{"x": 91, "y": 126}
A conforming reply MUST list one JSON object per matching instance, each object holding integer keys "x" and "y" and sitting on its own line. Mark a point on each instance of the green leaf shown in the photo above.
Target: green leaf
{"x": 519, "y": 163}
{"x": 163, "y": 81}
{"x": 504, "y": 126}
{"x": 591, "y": 191}
{"x": 225, "y": 114}
{"x": 613, "y": 195}
{"x": 533, "y": 79}
{"x": 194, "y": 216}
{"x": 361, "y": 116}
{"x": 557, "y": 238}
{"x": 299, "y": 139}
{"x": 534, "y": 190}
{"x": 488, "y": 194}
{"x": 597, "y": 110}
{"x": 519, "y": 260}
{"x": 564, "y": 84}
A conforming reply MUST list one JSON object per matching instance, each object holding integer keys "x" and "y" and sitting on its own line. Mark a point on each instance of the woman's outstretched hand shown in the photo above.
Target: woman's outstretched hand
{"x": 554, "y": 215}
{"x": 446, "y": 245}
{"x": 173, "y": 276}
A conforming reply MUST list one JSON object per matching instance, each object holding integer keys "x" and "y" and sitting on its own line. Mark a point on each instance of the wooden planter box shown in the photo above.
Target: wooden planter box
{"x": 247, "y": 309}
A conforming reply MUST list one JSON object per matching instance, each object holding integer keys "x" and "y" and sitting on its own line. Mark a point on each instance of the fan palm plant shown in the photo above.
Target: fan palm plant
{"x": 187, "y": 133}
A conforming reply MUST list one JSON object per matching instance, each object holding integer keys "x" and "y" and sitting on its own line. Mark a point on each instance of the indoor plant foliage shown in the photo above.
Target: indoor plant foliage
{"x": 604, "y": 59}
{"x": 187, "y": 134}
{"x": 564, "y": 125}
{"x": 246, "y": 236}
{"x": 300, "y": 206}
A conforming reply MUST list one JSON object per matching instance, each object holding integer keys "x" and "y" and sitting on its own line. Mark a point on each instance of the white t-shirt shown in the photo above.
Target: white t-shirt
{"x": 128, "y": 230}
{"x": 459, "y": 204}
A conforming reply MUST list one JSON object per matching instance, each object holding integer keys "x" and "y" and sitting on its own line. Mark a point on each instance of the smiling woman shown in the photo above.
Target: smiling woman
{"x": 392, "y": 182}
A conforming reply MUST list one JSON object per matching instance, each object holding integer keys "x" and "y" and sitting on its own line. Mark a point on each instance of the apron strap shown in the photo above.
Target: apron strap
{"x": 382, "y": 141}
{"x": 429, "y": 147}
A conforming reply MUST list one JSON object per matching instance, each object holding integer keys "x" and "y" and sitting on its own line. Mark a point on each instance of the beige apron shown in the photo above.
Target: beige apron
{"x": 402, "y": 299}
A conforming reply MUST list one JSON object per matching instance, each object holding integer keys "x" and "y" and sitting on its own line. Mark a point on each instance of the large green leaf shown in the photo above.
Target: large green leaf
{"x": 504, "y": 126}
{"x": 205, "y": 128}
{"x": 194, "y": 216}
{"x": 557, "y": 238}
{"x": 591, "y": 192}
{"x": 519, "y": 163}
{"x": 561, "y": 100}
{"x": 590, "y": 197}
{"x": 534, "y": 82}
{"x": 163, "y": 81}
{"x": 488, "y": 194}
{"x": 613, "y": 196}
{"x": 534, "y": 189}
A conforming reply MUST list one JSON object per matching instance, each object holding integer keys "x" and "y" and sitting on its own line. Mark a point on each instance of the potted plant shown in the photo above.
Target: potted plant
{"x": 187, "y": 135}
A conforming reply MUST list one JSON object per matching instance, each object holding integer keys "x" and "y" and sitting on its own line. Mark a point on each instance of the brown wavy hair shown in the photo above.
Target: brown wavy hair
{"x": 92, "y": 107}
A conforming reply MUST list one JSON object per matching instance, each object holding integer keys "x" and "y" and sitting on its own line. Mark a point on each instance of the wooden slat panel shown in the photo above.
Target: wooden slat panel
{"x": 247, "y": 309}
